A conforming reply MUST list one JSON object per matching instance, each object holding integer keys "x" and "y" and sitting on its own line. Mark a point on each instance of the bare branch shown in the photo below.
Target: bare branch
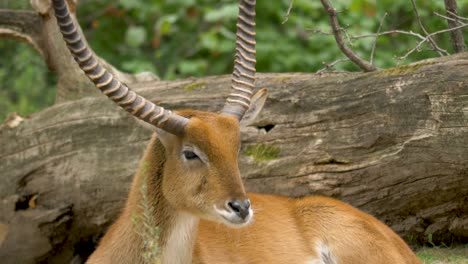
{"x": 23, "y": 26}
{"x": 456, "y": 36}
{"x": 365, "y": 65}
{"x": 431, "y": 41}
{"x": 348, "y": 37}
{"x": 410, "y": 33}
{"x": 457, "y": 16}
{"x": 376, "y": 37}
{"x": 396, "y": 31}
{"x": 286, "y": 17}
{"x": 319, "y": 31}
{"x": 330, "y": 66}
{"x": 430, "y": 35}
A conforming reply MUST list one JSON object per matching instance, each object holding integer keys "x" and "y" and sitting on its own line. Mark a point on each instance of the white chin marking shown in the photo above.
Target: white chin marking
{"x": 232, "y": 219}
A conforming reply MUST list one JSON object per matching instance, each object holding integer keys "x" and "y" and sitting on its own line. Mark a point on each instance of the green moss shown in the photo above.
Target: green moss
{"x": 402, "y": 69}
{"x": 195, "y": 85}
{"x": 399, "y": 70}
{"x": 262, "y": 152}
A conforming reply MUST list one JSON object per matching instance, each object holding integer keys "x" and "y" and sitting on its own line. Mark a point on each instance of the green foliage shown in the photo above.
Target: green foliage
{"x": 135, "y": 36}
{"x": 25, "y": 85}
{"x": 183, "y": 38}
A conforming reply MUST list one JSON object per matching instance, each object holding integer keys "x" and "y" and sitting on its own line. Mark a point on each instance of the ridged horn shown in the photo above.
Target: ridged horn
{"x": 243, "y": 76}
{"x": 109, "y": 84}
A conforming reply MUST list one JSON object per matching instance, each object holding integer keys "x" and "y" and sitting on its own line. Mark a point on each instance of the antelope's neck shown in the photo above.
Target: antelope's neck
{"x": 177, "y": 230}
{"x": 179, "y": 239}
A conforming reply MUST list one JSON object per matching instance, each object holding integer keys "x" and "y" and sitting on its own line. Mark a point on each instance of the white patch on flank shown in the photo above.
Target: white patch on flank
{"x": 178, "y": 248}
{"x": 324, "y": 254}
{"x": 314, "y": 261}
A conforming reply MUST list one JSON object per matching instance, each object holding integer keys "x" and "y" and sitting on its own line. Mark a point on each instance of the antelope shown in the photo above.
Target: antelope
{"x": 193, "y": 184}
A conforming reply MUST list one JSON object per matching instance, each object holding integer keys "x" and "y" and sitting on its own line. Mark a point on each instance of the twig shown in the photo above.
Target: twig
{"x": 396, "y": 31}
{"x": 456, "y": 15}
{"x": 375, "y": 39}
{"x": 329, "y": 66}
{"x": 365, "y": 65}
{"x": 319, "y": 31}
{"x": 430, "y": 35}
{"x": 445, "y": 17}
{"x": 286, "y": 17}
{"x": 433, "y": 44}
{"x": 456, "y": 36}
{"x": 410, "y": 33}
{"x": 348, "y": 37}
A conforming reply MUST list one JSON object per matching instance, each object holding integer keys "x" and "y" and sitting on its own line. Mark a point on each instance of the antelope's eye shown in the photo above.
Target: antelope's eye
{"x": 190, "y": 155}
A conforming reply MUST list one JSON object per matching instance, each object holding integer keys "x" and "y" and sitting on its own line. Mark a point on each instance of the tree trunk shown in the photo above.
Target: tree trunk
{"x": 456, "y": 36}
{"x": 392, "y": 143}
{"x": 39, "y": 29}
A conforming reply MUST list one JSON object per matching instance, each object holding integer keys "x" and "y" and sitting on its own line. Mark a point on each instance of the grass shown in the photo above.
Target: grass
{"x": 443, "y": 255}
{"x": 144, "y": 224}
{"x": 262, "y": 152}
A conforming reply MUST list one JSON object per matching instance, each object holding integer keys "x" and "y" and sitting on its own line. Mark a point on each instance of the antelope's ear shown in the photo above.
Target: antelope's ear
{"x": 163, "y": 136}
{"x": 256, "y": 105}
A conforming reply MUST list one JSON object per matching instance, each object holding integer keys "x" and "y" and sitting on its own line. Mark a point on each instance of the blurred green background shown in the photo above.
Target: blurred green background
{"x": 181, "y": 38}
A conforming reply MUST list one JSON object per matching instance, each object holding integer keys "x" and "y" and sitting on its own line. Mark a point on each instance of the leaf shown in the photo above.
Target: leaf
{"x": 227, "y": 12}
{"x": 165, "y": 23}
{"x": 128, "y": 4}
{"x": 135, "y": 36}
{"x": 194, "y": 68}
{"x": 209, "y": 41}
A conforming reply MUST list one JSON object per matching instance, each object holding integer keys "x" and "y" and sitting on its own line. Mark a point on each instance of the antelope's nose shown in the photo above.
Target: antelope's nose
{"x": 240, "y": 207}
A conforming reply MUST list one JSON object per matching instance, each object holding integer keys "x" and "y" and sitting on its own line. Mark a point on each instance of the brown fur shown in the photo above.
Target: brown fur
{"x": 283, "y": 230}
{"x": 287, "y": 230}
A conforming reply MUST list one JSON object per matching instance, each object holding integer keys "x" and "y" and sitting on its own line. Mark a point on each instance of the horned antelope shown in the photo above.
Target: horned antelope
{"x": 190, "y": 169}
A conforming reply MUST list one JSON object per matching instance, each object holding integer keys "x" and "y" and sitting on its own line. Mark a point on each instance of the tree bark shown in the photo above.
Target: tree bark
{"x": 456, "y": 36}
{"x": 392, "y": 143}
